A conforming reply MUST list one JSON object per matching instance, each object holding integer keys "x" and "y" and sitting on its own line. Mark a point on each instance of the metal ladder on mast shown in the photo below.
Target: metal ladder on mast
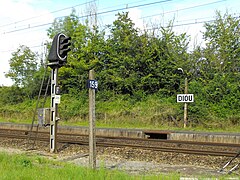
{"x": 31, "y": 134}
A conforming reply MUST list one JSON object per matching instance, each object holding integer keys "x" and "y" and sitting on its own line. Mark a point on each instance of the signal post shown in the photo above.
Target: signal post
{"x": 57, "y": 58}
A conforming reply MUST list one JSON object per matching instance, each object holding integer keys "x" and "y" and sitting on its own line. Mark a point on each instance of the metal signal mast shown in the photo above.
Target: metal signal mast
{"x": 57, "y": 58}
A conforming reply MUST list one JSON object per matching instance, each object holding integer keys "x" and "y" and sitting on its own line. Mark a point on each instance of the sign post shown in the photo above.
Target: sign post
{"x": 186, "y": 98}
{"x": 185, "y": 105}
{"x": 92, "y": 85}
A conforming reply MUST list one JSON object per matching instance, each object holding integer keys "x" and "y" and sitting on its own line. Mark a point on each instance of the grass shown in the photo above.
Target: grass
{"x": 25, "y": 167}
{"x": 32, "y": 167}
{"x": 122, "y": 111}
{"x": 134, "y": 124}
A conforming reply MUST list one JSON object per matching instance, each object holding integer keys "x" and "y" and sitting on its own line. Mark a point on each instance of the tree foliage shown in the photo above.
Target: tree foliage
{"x": 10, "y": 95}
{"x": 23, "y": 70}
{"x": 126, "y": 61}
{"x": 130, "y": 61}
{"x": 223, "y": 47}
{"x": 217, "y": 65}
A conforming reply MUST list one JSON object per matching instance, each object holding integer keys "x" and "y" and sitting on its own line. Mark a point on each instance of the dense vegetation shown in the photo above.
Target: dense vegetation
{"x": 137, "y": 72}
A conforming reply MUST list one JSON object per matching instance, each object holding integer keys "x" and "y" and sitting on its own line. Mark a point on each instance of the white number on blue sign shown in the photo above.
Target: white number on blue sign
{"x": 93, "y": 84}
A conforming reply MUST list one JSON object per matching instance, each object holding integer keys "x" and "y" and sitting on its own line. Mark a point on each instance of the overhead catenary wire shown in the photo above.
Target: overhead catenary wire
{"x": 29, "y": 26}
{"x": 11, "y": 50}
{"x": 63, "y": 9}
{"x": 85, "y": 16}
{"x": 196, "y": 21}
{"x": 182, "y": 9}
{"x": 59, "y": 10}
{"x": 110, "y": 11}
{"x": 152, "y": 28}
{"x": 187, "y": 24}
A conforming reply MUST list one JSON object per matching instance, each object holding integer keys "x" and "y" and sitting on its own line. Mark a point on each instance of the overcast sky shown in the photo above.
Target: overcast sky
{"x": 24, "y": 22}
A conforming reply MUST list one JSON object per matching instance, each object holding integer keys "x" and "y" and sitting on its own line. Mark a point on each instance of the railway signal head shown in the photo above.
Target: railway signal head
{"x": 59, "y": 49}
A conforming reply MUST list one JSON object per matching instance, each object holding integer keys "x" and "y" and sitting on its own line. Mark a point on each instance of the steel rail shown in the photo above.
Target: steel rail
{"x": 136, "y": 139}
{"x": 145, "y": 147}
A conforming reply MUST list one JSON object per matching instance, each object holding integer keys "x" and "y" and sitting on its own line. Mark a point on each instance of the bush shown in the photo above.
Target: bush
{"x": 11, "y": 95}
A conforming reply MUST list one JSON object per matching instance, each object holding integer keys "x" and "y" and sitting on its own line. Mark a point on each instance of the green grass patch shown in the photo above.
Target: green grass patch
{"x": 125, "y": 111}
{"x": 30, "y": 167}
{"x": 34, "y": 167}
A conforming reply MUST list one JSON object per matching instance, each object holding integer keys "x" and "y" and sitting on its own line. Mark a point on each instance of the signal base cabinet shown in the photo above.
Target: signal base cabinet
{"x": 44, "y": 116}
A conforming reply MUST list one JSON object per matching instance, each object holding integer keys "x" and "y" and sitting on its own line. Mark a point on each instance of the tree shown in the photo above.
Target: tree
{"x": 223, "y": 49}
{"x": 168, "y": 53}
{"x": 120, "y": 54}
{"x": 142, "y": 62}
{"x": 216, "y": 66}
{"x": 23, "y": 67}
{"x": 223, "y": 54}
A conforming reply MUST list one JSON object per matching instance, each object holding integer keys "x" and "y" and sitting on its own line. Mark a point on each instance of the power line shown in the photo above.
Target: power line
{"x": 84, "y": 16}
{"x": 141, "y": 5}
{"x": 62, "y": 10}
{"x": 187, "y": 24}
{"x": 119, "y": 9}
{"x": 59, "y": 11}
{"x": 131, "y": 7}
{"x": 123, "y": 4}
{"x": 105, "y": 12}
{"x": 34, "y": 17}
{"x": 153, "y": 28}
{"x": 191, "y": 7}
{"x": 29, "y": 27}
{"x": 11, "y": 50}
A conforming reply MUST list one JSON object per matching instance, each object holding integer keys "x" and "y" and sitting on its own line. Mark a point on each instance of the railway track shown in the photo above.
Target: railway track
{"x": 123, "y": 142}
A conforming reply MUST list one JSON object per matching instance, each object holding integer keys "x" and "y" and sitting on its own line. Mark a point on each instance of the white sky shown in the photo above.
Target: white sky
{"x": 19, "y": 18}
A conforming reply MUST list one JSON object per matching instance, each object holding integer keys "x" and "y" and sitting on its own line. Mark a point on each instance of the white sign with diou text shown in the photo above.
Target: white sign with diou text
{"x": 185, "y": 98}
